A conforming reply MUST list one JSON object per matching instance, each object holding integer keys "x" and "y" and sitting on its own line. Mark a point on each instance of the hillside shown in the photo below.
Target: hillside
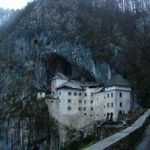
{"x": 110, "y": 36}
{"x": 84, "y": 40}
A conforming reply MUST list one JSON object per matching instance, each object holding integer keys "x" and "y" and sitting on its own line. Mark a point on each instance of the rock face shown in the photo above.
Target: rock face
{"x": 47, "y": 27}
{"x": 69, "y": 36}
{"x": 41, "y": 41}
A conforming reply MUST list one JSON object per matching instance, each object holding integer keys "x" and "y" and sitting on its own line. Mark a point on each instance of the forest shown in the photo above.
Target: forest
{"x": 123, "y": 27}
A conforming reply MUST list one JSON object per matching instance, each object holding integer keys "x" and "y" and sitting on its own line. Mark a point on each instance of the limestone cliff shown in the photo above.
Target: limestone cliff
{"x": 79, "y": 39}
{"x": 41, "y": 41}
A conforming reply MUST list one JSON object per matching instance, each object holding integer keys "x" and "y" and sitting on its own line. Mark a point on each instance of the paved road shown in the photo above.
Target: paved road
{"x": 145, "y": 141}
{"x": 108, "y": 142}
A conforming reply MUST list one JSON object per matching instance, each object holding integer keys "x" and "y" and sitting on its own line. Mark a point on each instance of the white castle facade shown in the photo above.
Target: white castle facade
{"x": 77, "y": 104}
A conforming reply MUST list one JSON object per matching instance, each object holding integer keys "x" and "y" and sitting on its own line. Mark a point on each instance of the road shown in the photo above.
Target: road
{"x": 145, "y": 141}
{"x": 115, "y": 138}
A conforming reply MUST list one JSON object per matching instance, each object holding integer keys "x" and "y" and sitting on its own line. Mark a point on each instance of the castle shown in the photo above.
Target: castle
{"x": 77, "y": 104}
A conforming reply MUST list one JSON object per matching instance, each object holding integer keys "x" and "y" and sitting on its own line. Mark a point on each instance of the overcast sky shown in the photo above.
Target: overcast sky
{"x": 13, "y": 4}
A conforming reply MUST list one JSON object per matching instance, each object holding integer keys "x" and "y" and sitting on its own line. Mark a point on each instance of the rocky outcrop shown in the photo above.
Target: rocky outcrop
{"x": 41, "y": 41}
{"x": 38, "y": 34}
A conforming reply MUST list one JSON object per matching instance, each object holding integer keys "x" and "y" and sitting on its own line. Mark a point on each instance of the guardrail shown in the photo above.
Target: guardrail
{"x": 124, "y": 139}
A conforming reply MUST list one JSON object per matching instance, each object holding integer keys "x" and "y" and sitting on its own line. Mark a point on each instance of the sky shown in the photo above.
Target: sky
{"x": 13, "y": 4}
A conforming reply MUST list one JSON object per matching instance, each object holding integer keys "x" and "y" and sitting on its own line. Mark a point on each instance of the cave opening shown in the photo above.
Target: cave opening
{"x": 57, "y": 63}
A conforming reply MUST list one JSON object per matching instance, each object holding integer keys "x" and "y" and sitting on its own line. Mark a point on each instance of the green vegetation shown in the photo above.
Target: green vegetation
{"x": 121, "y": 39}
{"x": 81, "y": 143}
{"x": 86, "y": 146}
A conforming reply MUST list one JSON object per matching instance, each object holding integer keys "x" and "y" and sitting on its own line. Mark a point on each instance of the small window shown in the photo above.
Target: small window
{"x": 69, "y": 108}
{"x": 108, "y": 95}
{"x": 91, "y": 94}
{"x": 91, "y": 108}
{"x": 35, "y": 41}
{"x": 120, "y": 94}
{"x": 51, "y": 101}
{"x": 79, "y": 108}
{"x": 84, "y": 108}
{"x": 69, "y": 93}
{"x": 59, "y": 93}
{"x": 120, "y": 104}
{"x": 108, "y": 105}
{"x": 91, "y": 115}
{"x": 75, "y": 93}
{"x": 97, "y": 115}
{"x": 80, "y": 101}
{"x": 91, "y": 101}
{"x": 69, "y": 100}
{"x": 84, "y": 101}
{"x": 112, "y": 105}
{"x": 80, "y": 94}
{"x": 85, "y": 94}
{"x": 84, "y": 114}
{"x": 97, "y": 98}
{"x": 111, "y": 94}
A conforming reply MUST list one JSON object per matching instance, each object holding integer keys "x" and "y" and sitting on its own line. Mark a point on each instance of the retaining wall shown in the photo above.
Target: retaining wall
{"x": 125, "y": 139}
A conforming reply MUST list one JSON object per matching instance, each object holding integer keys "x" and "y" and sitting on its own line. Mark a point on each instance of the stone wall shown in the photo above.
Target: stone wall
{"x": 131, "y": 140}
{"x": 125, "y": 139}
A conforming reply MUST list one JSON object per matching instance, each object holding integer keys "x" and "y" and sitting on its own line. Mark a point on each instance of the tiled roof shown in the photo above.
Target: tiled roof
{"x": 71, "y": 84}
{"x": 118, "y": 80}
{"x": 90, "y": 84}
{"x": 99, "y": 90}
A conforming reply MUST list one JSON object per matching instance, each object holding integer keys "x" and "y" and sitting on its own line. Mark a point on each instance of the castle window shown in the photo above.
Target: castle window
{"x": 59, "y": 93}
{"x": 108, "y": 105}
{"x": 51, "y": 101}
{"x": 75, "y": 93}
{"x": 69, "y": 93}
{"x": 120, "y": 104}
{"x": 69, "y": 100}
{"x": 85, "y": 94}
{"x": 112, "y": 105}
{"x": 120, "y": 94}
{"x": 91, "y": 115}
{"x": 80, "y": 94}
{"x": 84, "y": 101}
{"x": 79, "y": 108}
{"x": 91, "y": 101}
{"x": 84, "y": 108}
{"x": 108, "y": 95}
{"x": 91, "y": 94}
{"x": 80, "y": 101}
{"x": 91, "y": 108}
{"x": 111, "y": 94}
{"x": 69, "y": 108}
{"x": 84, "y": 114}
